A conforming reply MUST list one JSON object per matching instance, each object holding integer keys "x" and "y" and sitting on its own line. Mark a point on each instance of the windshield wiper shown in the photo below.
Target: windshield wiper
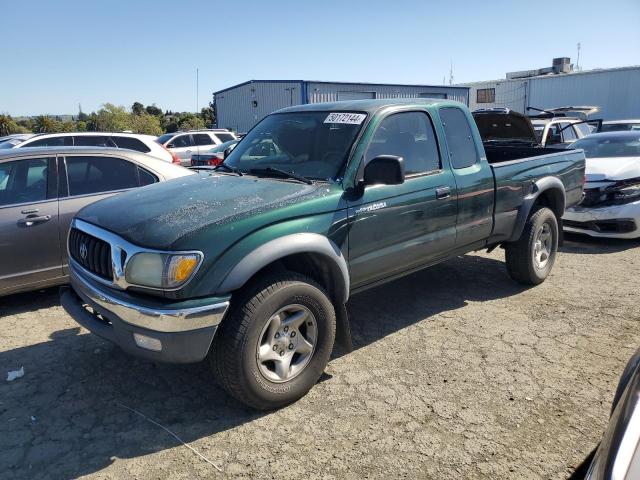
{"x": 282, "y": 173}
{"x": 229, "y": 168}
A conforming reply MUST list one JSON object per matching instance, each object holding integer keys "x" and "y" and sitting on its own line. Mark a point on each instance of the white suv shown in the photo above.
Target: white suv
{"x": 131, "y": 141}
{"x": 185, "y": 144}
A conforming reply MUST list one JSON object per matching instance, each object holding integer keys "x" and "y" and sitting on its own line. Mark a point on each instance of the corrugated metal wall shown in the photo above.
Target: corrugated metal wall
{"x": 508, "y": 94}
{"x": 241, "y": 107}
{"x": 616, "y": 92}
{"x": 319, "y": 92}
{"x": 236, "y": 109}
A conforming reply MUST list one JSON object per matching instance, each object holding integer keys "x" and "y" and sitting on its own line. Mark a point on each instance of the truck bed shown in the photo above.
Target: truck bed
{"x": 514, "y": 180}
{"x": 506, "y": 153}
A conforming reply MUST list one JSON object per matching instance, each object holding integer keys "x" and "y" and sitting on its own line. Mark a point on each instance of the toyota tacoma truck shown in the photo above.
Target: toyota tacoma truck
{"x": 250, "y": 265}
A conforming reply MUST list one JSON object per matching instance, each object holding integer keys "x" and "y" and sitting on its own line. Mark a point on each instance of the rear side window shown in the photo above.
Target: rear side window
{"x": 51, "y": 142}
{"x": 225, "y": 137}
{"x": 91, "y": 141}
{"x": 457, "y": 131}
{"x": 583, "y": 128}
{"x": 202, "y": 139}
{"x": 145, "y": 177}
{"x": 181, "y": 141}
{"x": 87, "y": 174}
{"x": 24, "y": 181}
{"x": 408, "y": 135}
{"x": 130, "y": 143}
{"x": 568, "y": 134}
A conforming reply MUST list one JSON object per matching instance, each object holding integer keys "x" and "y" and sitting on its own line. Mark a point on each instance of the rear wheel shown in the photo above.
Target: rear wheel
{"x": 276, "y": 342}
{"x": 530, "y": 259}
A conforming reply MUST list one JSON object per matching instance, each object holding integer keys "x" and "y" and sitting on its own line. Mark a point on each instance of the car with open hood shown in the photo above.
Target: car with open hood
{"x": 251, "y": 266}
{"x": 611, "y": 205}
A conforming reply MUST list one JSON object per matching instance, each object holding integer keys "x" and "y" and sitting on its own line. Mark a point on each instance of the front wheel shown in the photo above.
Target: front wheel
{"x": 530, "y": 259}
{"x": 276, "y": 342}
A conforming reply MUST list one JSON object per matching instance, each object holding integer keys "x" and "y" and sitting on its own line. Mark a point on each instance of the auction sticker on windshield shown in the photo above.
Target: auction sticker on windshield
{"x": 341, "y": 117}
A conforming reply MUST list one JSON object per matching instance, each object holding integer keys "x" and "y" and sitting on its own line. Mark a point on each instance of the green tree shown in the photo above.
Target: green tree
{"x": 153, "y": 110}
{"x": 46, "y": 124}
{"x": 145, "y": 123}
{"x": 207, "y": 116}
{"x": 9, "y": 126}
{"x": 189, "y": 121}
{"x": 137, "y": 108}
{"x": 112, "y": 118}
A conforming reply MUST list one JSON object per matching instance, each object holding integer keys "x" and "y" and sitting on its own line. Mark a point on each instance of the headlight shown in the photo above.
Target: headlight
{"x": 627, "y": 193}
{"x": 162, "y": 270}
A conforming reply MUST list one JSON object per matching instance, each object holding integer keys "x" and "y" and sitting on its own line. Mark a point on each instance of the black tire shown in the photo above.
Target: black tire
{"x": 233, "y": 356}
{"x": 521, "y": 265}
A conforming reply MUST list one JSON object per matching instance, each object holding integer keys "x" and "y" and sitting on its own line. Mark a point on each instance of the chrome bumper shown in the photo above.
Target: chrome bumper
{"x": 159, "y": 320}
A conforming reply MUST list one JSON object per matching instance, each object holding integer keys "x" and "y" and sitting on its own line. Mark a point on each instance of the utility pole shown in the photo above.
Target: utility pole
{"x": 451, "y": 73}
{"x": 578, "y": 59}
{"x": 197, "y": 88}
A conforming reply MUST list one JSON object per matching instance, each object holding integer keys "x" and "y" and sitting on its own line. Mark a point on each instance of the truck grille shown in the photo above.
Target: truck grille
{"x": 91, "y": 252}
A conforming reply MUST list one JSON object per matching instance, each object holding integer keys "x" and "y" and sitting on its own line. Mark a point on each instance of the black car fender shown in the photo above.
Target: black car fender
{"x": 552, "y": 190}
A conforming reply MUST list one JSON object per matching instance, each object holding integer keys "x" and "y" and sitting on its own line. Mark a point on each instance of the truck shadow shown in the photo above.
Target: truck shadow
{"x": 67, "y": 416}
{"x": 576, "y": 243}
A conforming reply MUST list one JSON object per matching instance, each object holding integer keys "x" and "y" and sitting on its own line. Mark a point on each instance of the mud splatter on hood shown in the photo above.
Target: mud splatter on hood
{"x": 159, "y": 215}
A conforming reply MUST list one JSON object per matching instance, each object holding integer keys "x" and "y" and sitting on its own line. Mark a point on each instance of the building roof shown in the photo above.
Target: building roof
{"x": 339, "y": 83}
{"x": 555, "y": 75}
{"x": 366, "y": 106}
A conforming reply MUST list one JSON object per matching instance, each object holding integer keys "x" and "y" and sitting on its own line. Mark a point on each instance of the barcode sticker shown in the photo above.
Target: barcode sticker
{"x": 349, "y": 118}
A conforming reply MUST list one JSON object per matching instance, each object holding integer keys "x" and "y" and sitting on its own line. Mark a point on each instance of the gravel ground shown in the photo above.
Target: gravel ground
{"x": 457, "y": 373}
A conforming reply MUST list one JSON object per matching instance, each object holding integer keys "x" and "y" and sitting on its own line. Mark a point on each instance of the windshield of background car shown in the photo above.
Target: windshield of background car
{"x": 10, "y": 143}
{"x": 619, "y": 127}
{"x": 609, "y": 146}
{"x": 313, "y": 144}
{"x": 165, "y": 138}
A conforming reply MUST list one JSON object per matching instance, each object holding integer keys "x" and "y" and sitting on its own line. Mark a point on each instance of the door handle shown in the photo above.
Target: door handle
{"x": 29, "y": 210}
{"x": 31, "y": 221}
{"x": 443, "y": 192}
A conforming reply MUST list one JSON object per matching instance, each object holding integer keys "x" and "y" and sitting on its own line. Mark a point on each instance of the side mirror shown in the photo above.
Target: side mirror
{"x": 384, "y": 170}
{"x": 227, "y": 151}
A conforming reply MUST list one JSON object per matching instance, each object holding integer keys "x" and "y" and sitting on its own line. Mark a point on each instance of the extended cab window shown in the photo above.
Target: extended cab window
{"x": 408, "y": 135}
{"x": 457, "y": 131}
{"x": 87, "y": 175}
{"x": 23, "y": 181}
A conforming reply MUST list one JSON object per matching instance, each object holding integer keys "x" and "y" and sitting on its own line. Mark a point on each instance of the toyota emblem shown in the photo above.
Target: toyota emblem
{"x": 83, "y": 251}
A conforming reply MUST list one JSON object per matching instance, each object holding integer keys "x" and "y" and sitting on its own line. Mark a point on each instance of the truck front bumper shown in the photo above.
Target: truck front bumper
{"x": 174, "y": 335}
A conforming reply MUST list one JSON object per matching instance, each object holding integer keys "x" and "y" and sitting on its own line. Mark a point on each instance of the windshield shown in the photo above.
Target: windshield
{"x": 619, "y": 127}
{"x": 609, "y": 146}
{"x": 10, "y": 143}
{"x": 165, "y": 138}
{"x": 312, "y": 144}
{"x": 223, "y": 146}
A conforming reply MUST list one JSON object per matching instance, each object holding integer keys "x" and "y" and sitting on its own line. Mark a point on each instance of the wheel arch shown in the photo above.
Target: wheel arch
{"x": 310, "y": 254}
{"x": 547, "y": 192}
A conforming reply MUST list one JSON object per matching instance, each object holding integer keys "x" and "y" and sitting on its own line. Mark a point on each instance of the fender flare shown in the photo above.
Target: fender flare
{"x": 538, "y": 187}
{"x": 282, "y": 247}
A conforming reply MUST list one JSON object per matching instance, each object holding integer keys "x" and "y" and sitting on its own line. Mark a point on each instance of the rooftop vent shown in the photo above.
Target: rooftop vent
{"x": 559, "y": 65}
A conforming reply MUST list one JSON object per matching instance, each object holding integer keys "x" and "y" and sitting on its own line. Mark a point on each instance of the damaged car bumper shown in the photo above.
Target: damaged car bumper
{"x": 614, "y": 221}
{"x": 178, "y": 333}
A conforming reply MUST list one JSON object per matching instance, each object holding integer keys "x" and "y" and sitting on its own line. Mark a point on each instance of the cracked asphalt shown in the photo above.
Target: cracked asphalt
{"x": 458, "y": 373}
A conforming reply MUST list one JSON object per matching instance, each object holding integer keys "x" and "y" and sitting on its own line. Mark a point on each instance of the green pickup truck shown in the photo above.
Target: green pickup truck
{"x": 250, "y": 265}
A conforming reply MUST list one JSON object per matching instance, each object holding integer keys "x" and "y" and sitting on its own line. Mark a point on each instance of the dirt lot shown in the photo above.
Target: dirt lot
{"x": 457, "y": 373}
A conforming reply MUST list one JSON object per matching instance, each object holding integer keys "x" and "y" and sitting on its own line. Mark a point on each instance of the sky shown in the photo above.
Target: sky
{"x": 59, "y": 54}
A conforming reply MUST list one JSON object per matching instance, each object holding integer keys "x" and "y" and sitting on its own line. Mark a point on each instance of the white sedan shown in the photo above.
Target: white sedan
{"x": 611, "y": 205}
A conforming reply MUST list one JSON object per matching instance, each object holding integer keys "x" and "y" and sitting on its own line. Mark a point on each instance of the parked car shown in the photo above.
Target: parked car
{"x": 558, "y": 127}
{"x": 213, "y": 157}
{"x": 255, "y": 264}
{"x": 620, "y": 125}
{"x": 132, "y": 141}
{"x": 618, "y": 455}
{"x": 611, "y": 205}
{"x": 186, "y": 144}
{"x": 41, "y": 189}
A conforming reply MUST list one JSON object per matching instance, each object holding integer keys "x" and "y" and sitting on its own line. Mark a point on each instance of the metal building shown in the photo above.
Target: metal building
{"x": 240, "y": 107}
{"x": 613, "y": 90}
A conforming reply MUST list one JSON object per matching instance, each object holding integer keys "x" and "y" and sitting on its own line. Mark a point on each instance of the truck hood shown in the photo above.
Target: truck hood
{"x": 612, "y": 168}
{"x": 159, "y": 215}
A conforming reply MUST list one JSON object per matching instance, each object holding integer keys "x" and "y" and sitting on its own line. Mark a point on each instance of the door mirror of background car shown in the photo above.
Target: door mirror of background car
{"x": 384, "y": 170}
